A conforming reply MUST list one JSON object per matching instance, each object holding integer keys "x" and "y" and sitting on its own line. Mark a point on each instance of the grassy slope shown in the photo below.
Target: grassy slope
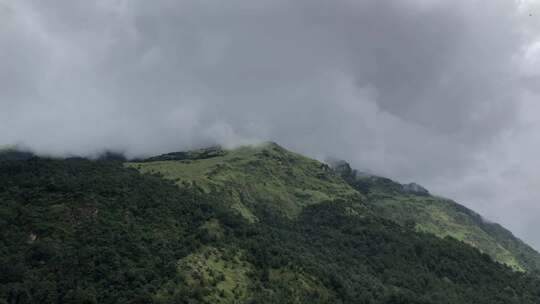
{"x": 444, "y": 217}
{"x": 221, "y": 275}
{"x": 436, "y": 216}
{"x": 246, "y": 179}
{"x": 286, "y": 182}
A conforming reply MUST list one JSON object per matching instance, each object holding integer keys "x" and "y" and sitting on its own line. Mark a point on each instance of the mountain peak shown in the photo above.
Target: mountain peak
{"x": 285, "y": 181}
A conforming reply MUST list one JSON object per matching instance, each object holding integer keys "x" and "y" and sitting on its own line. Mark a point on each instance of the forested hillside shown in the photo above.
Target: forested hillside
{"x": 253, "y": 225}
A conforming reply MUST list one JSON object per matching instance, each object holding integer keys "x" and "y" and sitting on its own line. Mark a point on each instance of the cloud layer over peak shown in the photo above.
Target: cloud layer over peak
{"x": 440, "y": 92}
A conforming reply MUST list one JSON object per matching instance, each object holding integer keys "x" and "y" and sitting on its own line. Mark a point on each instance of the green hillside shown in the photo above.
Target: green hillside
{"x": 253, "y": 176}
{"x": 287, "y": 182}
{"x": 414, "y": 206}
{"x": 250, "y": 225}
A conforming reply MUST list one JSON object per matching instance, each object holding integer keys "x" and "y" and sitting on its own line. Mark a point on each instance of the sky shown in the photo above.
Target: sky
{"x": 443, "y": 93}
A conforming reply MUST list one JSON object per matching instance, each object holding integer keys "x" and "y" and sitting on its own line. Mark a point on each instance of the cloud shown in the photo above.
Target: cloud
{"x": 439, "y": 92}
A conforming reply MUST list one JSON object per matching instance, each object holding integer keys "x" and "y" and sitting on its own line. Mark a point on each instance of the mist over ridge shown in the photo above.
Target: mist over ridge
{"x": 440, "y": 93}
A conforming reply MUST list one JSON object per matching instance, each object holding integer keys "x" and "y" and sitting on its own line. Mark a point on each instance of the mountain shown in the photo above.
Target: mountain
{"x": 413, "y": 205}
{"x": 251, "y": 177}
{"x": 256, "y": 224}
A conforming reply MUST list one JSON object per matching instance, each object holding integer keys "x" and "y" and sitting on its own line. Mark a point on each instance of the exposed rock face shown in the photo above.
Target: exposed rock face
{"x": 340, "y": 166}
{"x": 344, "y": 170}
{"x": 414, "y": 188}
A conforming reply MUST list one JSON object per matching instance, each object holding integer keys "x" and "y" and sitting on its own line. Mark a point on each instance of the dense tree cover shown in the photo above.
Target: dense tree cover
{"x": 84, "y": 231}
{"x": 81, "y": 231}
{"x": 369, "y": 260}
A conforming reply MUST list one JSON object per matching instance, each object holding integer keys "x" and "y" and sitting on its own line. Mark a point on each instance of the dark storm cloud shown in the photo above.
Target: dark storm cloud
{"x": 441, "y": 92}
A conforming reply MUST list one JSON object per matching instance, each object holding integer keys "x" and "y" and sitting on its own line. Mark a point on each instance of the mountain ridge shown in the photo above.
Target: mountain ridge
{"x": 394, "y": 199}
{"x": 454, "y": 220}
{"x": 256, "y": 224}
{"x": 398, "y": 202}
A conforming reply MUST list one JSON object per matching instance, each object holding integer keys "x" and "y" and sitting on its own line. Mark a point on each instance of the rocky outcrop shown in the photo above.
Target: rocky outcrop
{"x": 416, "y": 189}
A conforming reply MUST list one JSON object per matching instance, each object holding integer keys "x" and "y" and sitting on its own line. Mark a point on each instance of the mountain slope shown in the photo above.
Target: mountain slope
{"x": 82, "y": 231}
{"x": 284, "y": 181}
{"x": 413, "y": 205}
{"x": 287, "y": 182}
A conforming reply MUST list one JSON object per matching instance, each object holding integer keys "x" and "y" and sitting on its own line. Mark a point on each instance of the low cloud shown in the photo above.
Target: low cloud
{"x": 439, "y": 92}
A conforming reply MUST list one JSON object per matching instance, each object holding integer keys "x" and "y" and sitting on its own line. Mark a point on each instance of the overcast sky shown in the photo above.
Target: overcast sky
{"x": 444, "y": 93}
